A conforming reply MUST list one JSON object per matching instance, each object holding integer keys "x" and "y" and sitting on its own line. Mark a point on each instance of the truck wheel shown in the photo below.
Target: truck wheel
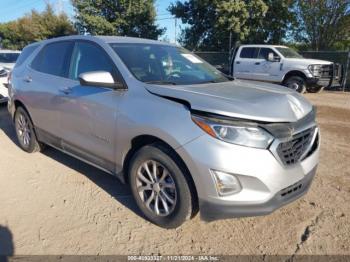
{"x": 160, "y": 187}
{"x": 315, "y": 89}
{"x": 25, "y": 132}
{"x": 296, "y": 83}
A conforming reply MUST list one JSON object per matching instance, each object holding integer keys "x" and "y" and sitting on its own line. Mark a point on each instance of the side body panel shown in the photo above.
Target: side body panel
{"x": 87, "y": 117}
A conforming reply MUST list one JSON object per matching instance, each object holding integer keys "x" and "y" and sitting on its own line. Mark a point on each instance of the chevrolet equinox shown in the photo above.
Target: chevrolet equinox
{"x": 184, "y": 136}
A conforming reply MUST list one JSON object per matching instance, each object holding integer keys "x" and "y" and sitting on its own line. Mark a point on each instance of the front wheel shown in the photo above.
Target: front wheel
{"x": 160, "y": 187}
{"x": 296, "y": 83}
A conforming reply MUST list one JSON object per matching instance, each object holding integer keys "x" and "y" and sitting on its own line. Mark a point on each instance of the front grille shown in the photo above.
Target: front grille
{"x": 337, "y": 71}
{"x": 291, "y": 151}
{"x": 331, "y": 71}
{"x": 326, "y": 71}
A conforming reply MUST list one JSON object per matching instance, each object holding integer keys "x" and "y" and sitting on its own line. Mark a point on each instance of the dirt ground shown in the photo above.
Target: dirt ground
{"x": 51, "y": 203}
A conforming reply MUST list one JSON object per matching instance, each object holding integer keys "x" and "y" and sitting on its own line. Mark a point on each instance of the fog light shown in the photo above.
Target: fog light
{"x": 226, "y": 184}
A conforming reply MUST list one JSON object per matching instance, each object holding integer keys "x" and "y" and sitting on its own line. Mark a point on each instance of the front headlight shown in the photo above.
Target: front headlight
{"x": 239, "y": 133}
{"x": 315, "y": 70}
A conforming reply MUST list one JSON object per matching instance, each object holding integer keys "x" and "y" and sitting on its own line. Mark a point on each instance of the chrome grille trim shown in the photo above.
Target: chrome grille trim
{"x": 294, "y": 149}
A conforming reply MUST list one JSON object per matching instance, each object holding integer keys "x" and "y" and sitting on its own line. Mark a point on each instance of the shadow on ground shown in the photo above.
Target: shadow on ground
{"x": 6, "y": 244}
{"x": 108, "y": 183}
{"x": 6, "y": 123}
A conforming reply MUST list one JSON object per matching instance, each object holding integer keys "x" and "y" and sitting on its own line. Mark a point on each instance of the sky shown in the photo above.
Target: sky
{"x": 13, "y": 9}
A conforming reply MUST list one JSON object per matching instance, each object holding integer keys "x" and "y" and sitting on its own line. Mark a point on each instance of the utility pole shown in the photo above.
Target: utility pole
{"x": 345, "y": 76}
{"x": 175, "y": 29}
{"x": 230, "y": 43}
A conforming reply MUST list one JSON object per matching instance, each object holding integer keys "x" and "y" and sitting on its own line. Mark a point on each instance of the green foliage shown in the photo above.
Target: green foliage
{"x": 211, "y": 21}
{"x": 277, "y": 25}
{"x": 324, "y": 24}
{"x": 34, "y": 27}
{"x": 253, "y": 21}
{"x": 307, "y": 24}
{"x": 117, "y": 17}
{"x": 239, "y": 17}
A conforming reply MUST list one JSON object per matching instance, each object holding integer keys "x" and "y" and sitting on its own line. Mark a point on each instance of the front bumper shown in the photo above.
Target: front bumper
{"x": 313, "y": 81}
{"x": 332, "y": 76}
{"x": 262, "y": 175}
{"x": 213, "y": 211}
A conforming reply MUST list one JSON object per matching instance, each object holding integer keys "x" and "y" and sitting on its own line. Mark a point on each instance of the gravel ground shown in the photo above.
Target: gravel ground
{"x": 51, "y": 203}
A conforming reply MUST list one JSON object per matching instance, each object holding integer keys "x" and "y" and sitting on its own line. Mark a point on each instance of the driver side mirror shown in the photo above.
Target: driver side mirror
{"x": 272, "y": 58}
{"x": 99, "y": 78}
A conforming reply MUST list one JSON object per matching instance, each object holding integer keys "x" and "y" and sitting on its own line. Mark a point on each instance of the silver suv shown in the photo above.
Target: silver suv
{"x": 184, "y": 136}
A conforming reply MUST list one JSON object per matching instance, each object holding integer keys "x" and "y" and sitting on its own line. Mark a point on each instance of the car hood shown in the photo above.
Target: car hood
{"x": 240, "y": 99}
{"x": 309, "y": 61}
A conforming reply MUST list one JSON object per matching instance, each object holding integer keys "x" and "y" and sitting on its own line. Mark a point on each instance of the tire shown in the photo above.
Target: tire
{"x": 315, "y": 89}
{"x": 179, "y": 194}
{"x": 296, "y": 83}
{"x": 25, "y": 132}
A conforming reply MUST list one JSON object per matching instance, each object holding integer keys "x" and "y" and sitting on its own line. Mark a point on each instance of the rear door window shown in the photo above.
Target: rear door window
{"x": 54, "y": 59}
{"x": 249, "y": 52}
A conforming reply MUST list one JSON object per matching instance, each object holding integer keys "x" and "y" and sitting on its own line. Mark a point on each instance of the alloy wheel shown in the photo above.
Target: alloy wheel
{"x": 23, "y": 130}
{"x": 156, "y": 188}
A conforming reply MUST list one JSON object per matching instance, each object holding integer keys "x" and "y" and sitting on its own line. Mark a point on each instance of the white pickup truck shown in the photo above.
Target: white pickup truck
{"x": 282, "y": 65}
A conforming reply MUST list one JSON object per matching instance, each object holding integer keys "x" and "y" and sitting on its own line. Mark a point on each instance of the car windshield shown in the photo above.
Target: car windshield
{"x": 8, "y": 57}
{"x": 288, "y": 53}
{"x": 163, "y": 64}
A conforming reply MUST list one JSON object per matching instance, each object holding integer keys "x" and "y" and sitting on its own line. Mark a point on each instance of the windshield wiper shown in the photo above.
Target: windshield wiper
{"x": 161, "y": 82}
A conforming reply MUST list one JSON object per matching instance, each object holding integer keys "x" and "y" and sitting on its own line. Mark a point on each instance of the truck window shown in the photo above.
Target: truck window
{"x": 264, "y": 53}
{"x": 249, "y": 52}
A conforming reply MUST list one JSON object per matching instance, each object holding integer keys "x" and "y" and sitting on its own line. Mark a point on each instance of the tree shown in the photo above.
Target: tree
{"x": 33, "y": 27}
{"x": 324, "y": 24}
{"x": 278, "y": 24}
{"x": 210, "y": 22}
{"x": 117, "y": 17}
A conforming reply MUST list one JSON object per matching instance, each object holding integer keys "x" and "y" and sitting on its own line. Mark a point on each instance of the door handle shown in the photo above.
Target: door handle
{"x": 238, "y": 62}
{"x": 28, "y": 79}
{"x": 257, "y": 63}
{"x": 66, "y": 91}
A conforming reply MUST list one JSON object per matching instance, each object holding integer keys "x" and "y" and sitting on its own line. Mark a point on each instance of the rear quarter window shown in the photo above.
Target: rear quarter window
{"x": 26, "y": 52}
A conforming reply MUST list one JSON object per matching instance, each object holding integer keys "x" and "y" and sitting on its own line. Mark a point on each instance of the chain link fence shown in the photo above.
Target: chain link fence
{"x": 221, "y": 61}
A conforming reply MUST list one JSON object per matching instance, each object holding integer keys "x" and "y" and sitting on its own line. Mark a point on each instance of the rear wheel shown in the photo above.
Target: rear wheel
{"x": 296, "y": 83}
{"x": 160, "y": 187}
{"x": 315, "y": 89}
{"x": 25, "y": 132}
